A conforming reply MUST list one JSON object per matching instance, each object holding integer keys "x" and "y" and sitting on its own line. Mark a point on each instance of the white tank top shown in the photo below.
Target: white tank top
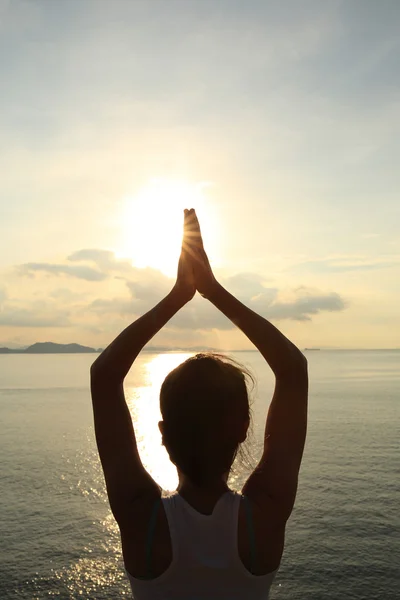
{"x": 205, "y": 561}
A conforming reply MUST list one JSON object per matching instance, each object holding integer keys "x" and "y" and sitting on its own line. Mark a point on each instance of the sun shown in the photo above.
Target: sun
{"x": 152, "y": 223}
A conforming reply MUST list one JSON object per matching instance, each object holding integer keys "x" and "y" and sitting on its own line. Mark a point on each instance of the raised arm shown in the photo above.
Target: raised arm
{"x": 125, "y": 475}
{"x": 273, "y": 483}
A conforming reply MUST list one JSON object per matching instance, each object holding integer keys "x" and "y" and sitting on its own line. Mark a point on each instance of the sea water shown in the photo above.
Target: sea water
{"x": 59, "y": 539}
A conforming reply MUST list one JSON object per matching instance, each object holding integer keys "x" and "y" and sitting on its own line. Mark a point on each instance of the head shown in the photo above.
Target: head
{"x": 206, "y": 414}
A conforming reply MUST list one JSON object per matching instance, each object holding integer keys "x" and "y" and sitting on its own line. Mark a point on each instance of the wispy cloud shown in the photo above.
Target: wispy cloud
{"x": 305, "y": 305}
{"x": 145, "y": 287}
{"x": 103, "y": 259}
{"x": 346, "y": 263}
{"x": 3, "y": 294}
{"x": 36, "y": 315}
{"x": 78, "y": 271}
{"x": 105, "y": 264}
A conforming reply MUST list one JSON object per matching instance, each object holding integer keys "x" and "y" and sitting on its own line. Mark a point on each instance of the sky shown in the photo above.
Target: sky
{"x": 278, "y": 121}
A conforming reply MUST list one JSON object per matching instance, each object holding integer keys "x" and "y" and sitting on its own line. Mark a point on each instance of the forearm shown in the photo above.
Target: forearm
{"x": 116, "y": 360}
{"x": 279, "y": 352}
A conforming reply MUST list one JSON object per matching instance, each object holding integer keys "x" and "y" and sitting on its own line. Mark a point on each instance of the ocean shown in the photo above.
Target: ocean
{"x": 58, "y": 537}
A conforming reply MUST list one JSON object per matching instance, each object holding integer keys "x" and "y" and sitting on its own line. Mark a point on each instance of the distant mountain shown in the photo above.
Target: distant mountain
{"x": 50, "y": 348}
{"x": 53, "y": 348}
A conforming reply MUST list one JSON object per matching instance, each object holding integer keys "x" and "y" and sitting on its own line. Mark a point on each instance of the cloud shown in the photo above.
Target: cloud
{"x": 21, "y": 312}
{"x": 297, "y": 305}
{"x": 146, "y": 287}
{"x": 304, "y": 305}
{"x": 66, "y": 295}
{"x": 345, "y": 264}
{"x": 113, "y": 306}
{"x": 249, "y": 284}
{"x": 105, "y": 264}
{"x": 105, "y": 260}
{"x": 35, "y": 316}
{"x": 3, "y": 294}
{"x": 78, "y": 271}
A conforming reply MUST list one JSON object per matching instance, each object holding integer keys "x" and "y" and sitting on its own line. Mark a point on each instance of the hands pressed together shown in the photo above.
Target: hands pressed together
{"x": 194, "y": 270}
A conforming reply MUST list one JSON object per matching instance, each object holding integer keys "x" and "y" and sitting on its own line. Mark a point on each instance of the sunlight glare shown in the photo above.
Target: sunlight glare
{"x": 144, "y": 406}
{"x": 152, "y": 223}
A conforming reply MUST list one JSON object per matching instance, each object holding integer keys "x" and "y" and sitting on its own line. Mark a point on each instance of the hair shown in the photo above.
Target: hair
{"x": 204, "y": 404}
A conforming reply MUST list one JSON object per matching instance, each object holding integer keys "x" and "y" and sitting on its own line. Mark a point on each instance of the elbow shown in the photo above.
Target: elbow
{"x": 101, "y": 374}
{"x": 300, "y": 365}
{"x": 296, "y": 369}
{"x": 302, "y": 362}
{"x": 95, "y": 368}
{"x": 95, "y": 371}
{"x": 98, "y": 371}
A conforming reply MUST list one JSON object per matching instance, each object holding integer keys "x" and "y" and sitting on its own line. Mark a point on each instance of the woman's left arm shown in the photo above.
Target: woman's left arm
{"x": 126, "y": 478}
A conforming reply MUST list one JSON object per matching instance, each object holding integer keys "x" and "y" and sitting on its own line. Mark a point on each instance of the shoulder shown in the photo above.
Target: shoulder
{"x": 269, "y": 536}
{"x": 262, "y": 513}
{"x": 137, "y": 513}
{"x": 134, "y": 523}
{"x": 135, "y": 530}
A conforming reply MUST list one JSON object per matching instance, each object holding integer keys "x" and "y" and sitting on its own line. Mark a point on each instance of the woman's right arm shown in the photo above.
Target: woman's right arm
{"x": 274, "y": 481}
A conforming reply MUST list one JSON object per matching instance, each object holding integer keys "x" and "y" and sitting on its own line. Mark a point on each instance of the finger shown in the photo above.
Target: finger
{"x": 187, "y": 224}
{"x": 193, "y": 253}
{"x": 197, "y": 231}
{"x": 185, "y": 213}
{"x": 192, "y": 229}
{"x": 190, "y": 215}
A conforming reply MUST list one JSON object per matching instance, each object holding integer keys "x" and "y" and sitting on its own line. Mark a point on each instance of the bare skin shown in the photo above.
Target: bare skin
{"x": 271, "y": 487}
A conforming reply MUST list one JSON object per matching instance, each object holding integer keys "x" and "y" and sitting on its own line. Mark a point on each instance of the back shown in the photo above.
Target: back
{"x": 205, "y": 560}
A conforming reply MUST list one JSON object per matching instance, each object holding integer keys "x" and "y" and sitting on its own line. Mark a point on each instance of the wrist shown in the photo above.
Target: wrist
{"x": 214, "y": 291}
{"x": 178, "y": 297}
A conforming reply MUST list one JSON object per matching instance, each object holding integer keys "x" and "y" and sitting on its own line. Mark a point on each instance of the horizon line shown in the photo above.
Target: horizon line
{"x": 178, "y": 348}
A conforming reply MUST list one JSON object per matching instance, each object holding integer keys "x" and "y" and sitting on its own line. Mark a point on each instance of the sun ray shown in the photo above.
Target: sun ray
{"x": 152, "y": 223}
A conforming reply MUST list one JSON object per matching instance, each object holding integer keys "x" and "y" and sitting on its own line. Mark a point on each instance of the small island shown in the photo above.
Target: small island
{"x": 53, "y": 348}
{"x": 50, "y": 348}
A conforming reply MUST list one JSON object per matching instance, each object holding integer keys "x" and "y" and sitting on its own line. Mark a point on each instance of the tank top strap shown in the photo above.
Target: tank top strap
{"x": 150, "y": 537}
{"x": 250, "y": 531}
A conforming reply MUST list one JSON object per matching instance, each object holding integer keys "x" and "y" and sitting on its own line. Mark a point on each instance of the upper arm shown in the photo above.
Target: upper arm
{"x": 274, "y": 481}
{"x": 125, "y": 476}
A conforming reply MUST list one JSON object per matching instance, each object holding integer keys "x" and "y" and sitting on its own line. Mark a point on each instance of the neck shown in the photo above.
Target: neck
{"x": 214, "y": 488}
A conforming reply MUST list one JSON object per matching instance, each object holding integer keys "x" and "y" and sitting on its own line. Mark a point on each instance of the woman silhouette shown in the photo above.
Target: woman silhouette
{"x": 204, "y": 541}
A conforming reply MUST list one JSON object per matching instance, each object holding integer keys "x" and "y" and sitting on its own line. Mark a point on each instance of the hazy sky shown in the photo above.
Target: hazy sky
{"x": 283, "y": 117}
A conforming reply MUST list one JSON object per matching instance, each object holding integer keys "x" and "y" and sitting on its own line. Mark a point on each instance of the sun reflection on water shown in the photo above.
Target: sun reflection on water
{"x": 93, "y": 568}
{"x": 144, "y": 405}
